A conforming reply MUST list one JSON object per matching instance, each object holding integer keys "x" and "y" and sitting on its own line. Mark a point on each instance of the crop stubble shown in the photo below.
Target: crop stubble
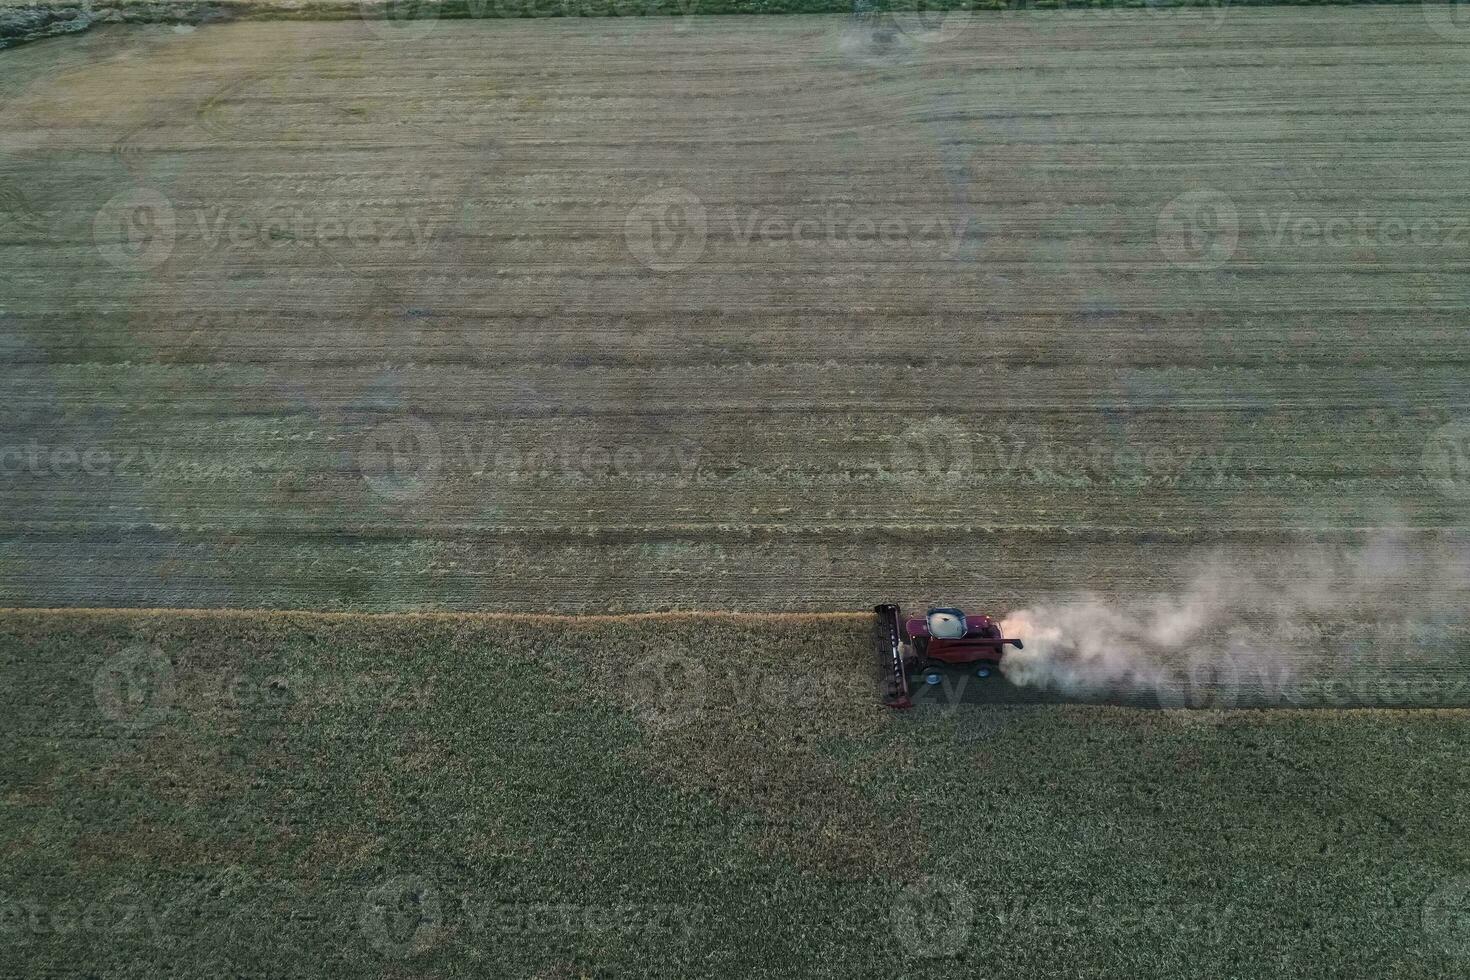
{"x": 1073, "y": 391}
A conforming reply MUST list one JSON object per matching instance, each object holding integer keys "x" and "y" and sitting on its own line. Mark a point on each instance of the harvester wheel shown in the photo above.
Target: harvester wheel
{"x": 933, "y": 676}
{"x": 984, "y": 671}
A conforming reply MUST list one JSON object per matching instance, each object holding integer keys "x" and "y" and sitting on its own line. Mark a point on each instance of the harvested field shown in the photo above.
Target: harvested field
{"x": 296, "y": 794}
{"x": 725, "y": 312}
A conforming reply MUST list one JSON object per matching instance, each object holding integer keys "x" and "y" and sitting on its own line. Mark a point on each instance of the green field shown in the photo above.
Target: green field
{"x": 299, "y": 794}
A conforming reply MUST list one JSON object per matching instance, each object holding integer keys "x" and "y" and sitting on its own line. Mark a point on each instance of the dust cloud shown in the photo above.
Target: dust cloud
{"x": 1268, "y": 628}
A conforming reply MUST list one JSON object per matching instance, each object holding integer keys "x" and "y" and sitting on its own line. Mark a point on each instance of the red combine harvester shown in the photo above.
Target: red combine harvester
{"x": 943, "y": 642}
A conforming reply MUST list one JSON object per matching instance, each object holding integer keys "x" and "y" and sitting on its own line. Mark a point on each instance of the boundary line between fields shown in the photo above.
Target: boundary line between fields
{"x": 446, "y": 614}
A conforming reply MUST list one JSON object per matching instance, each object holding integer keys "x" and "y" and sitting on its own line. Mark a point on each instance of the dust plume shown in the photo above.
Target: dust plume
{"x": 1264, "y": 626}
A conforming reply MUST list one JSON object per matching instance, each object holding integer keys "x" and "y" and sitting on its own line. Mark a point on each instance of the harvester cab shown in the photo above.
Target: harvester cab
{"x": 926, "y": 649}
